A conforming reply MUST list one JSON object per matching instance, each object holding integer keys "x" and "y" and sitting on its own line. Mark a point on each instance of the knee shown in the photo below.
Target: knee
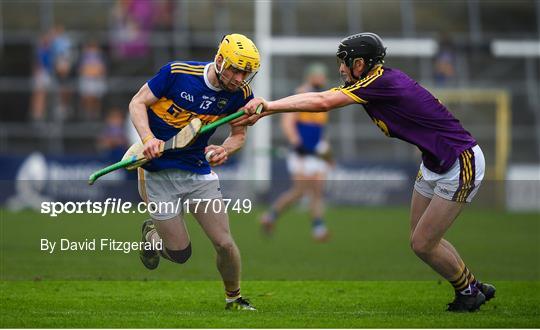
{"x": 179, "y": 256}
{"x": 421, "y": 246}
{"x": 225, "y": 246}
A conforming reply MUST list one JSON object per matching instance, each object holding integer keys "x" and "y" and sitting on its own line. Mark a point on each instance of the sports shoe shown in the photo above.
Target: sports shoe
{"x": 240, "y": 304}
{"x": 320, "y": 233}
{"x": 467, "y": 303}
{"x": 149, "y": 258}
{"x": 487, "y": 289}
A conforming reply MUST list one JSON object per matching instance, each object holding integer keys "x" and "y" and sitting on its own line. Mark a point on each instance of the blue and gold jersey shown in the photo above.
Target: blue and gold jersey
{"x": 310, "y": 126}
{"x": 185, "y": 93}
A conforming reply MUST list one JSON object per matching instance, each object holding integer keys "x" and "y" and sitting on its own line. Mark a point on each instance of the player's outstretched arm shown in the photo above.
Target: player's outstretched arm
{"x": 304, "y": 102}
{"x": 309, "y": 102}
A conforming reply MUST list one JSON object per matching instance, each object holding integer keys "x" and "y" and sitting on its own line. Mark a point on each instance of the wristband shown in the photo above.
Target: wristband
{"x": 148, "y": 138}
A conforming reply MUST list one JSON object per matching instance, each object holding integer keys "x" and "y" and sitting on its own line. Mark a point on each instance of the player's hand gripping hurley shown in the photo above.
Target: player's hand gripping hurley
{"x": 184, "y": 138}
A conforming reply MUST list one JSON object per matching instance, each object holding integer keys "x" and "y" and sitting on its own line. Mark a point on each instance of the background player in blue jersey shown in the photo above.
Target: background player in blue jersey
{"x": 307, "y": 161}
{"x": 179, "y": 92}
{"x": 452, "y": 165}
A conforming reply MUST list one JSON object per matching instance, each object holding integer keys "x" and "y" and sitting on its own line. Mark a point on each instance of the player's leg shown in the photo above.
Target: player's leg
{"x": 213, "y": 219}
{"x": 316, "y": 189}
{"x": 166, "y": 225}
{"x": 419, "y": 203}
{"x": 427, "y": 235}
{"x": 462, "y": 187}
{"x": 285, "y": 200}
{"x": 423, "y": 193}
{"x": 292, "y": 195}
{"x": 296, "y": 168}
{"x": 426, "y": 243}
{"x": 215, "y": 223}
{"x": 447, "y": 200}
{"x": 173, "y": 236}
{"x": 216, "y": 227}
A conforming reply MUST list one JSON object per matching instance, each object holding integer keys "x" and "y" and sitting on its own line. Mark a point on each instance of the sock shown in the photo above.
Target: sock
{"x": 317, "y": 222}
{"x": 272, "y": 214}
{"x": 231, "y": 296}
{"x": 152, "y": 236}
{"x": 465, "y": 283}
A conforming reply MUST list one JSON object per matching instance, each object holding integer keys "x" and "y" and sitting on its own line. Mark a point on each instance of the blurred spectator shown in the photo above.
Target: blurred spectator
{"x": 42, "y": 76}
{"x": 131, "y": 24}
{"x": 164, "y": 15}
{"x": 54, "y": 60}
{"x": 113, "y": 140}
{"x": 92, "y": 80}
{"x": 63, "y": 56}
{"x": 445, "y": 63}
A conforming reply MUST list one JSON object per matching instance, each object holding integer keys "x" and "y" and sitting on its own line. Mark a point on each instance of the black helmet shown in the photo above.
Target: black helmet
{"x": 364, "y": 45}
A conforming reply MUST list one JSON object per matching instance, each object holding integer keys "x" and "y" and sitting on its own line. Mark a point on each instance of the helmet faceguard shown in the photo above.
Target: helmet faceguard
{"x": 240, "y": 53}
{"x": 367, "y": 46}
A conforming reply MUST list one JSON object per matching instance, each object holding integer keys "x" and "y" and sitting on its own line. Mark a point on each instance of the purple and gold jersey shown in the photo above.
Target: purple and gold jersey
{"x": 185, "y": 93}
{"x": 403, "y": 109}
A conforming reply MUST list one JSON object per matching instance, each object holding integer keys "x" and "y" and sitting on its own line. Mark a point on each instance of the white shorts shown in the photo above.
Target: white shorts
{"x": 92, "y": 86}
{"x": 460, "y": 183}
{"x": 176, "y": 187}
{"x": 307, "y": 165}
{"x": 42, "y": 79}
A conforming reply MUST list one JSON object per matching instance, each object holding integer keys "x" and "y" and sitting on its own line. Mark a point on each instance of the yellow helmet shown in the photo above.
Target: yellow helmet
{"x": 240, "y": 52}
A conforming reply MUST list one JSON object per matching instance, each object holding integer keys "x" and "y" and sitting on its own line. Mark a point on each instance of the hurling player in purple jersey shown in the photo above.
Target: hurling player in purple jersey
{"x": 452, "y": 165}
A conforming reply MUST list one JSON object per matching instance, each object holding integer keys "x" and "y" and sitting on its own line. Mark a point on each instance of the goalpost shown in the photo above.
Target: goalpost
{"x": 492, "y": 105}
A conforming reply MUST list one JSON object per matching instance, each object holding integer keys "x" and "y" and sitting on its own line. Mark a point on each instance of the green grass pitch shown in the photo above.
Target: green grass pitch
{"x": 366, "y": 276}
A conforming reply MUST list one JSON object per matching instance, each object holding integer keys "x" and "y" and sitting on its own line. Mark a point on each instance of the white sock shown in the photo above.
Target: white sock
{"x": 153, "y": 237}
{"x": 231, "y": 296}
{"x": 229, "y": 300}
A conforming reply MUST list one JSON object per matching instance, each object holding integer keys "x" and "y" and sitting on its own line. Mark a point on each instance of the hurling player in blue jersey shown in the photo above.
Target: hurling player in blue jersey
{"x": 178, "y": 93}
{"x": 308, "y": 160}
{"x": 452, "y": 165}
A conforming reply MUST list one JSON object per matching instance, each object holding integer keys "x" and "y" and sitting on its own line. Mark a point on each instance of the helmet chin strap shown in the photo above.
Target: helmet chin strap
{"x": 352, "y": 73}
{"x": 219, "y": 75}
{"x": 248, "y": 81}
{"x": 351, "y": 69}
{"x": 363, "y": 73}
